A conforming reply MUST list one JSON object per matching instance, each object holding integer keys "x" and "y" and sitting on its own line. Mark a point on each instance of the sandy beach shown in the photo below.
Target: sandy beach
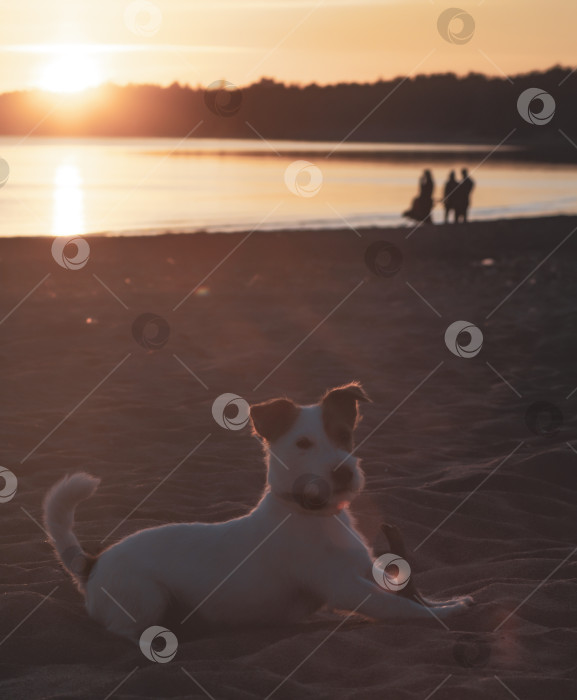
{"x": 464, "y": 453}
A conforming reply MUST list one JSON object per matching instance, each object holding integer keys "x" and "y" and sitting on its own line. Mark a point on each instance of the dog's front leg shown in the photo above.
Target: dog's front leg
{"x": 397, "y": 545}
{"x": 365, "y": 597}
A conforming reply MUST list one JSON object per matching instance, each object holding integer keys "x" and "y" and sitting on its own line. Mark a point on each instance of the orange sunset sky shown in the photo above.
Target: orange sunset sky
{"x": 67, "y": 45}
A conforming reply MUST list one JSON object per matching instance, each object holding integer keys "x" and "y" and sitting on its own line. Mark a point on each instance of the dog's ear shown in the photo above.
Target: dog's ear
{"x": 340, "y": 412}
{"x": 273, "y": 418}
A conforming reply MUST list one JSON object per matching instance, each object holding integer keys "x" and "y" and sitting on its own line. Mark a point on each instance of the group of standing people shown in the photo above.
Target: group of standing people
{"x": 456, "y": 199}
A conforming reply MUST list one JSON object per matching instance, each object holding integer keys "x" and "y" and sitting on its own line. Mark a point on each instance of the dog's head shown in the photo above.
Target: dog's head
{"x": 310, "y": 461}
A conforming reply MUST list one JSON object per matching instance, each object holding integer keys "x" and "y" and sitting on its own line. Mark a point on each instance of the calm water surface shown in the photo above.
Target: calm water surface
{"x": 128, "y": 186}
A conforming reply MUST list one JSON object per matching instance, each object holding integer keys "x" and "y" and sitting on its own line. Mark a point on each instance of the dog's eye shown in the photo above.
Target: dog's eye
{"x": 304, "y": 443}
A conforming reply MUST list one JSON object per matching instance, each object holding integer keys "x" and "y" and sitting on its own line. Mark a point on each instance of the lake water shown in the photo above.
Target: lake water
{"x": 128, "y": 186}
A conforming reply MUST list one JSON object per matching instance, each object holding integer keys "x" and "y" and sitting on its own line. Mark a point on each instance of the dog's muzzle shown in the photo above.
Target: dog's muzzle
{"x": 314, "y": 493}
{"x": 311, "y": 492}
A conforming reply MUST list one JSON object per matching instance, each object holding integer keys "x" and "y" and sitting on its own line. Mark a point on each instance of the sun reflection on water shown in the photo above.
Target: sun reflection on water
{"x": 68, "y": 201}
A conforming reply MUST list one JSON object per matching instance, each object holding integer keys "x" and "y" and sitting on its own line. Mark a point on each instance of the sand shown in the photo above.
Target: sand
{"x": 486, "y": 505}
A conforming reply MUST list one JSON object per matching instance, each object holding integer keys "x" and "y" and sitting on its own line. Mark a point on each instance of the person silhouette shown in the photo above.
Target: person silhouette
{"x": 462, "y": 196}
{"x": 449, "y": 197}
{"x": 422, "y": 205}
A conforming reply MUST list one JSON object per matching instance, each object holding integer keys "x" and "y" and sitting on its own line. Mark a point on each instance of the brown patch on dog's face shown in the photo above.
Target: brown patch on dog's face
{"x": 273, "y": 418}
{"x": 340, "y": 413}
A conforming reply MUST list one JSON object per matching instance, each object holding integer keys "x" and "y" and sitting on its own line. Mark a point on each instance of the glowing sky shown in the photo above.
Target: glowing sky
{"x": 200, "y": 41}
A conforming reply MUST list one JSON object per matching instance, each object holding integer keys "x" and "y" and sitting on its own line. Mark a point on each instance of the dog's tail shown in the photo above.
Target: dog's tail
{"x": 59, "y": 507}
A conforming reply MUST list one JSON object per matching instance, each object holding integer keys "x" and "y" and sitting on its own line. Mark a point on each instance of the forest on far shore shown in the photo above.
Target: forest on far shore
{"x": 440, "y": 108}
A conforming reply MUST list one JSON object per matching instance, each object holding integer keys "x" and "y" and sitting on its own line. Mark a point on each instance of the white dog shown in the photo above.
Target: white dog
{"x": 295, "y": 553}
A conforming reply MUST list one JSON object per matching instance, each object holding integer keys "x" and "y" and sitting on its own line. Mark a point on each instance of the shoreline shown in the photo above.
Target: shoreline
{"x": 513, "y": 222}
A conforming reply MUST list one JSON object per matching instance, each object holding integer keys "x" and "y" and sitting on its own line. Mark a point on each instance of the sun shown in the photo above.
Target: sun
{"x": 70, "y": 72}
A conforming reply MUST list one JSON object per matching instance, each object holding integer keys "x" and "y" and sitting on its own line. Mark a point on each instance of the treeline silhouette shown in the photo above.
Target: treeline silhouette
{"x": 436, "y": 108}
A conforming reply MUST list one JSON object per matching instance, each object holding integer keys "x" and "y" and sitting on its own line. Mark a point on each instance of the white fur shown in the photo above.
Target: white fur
{"x": 310, "y": 561}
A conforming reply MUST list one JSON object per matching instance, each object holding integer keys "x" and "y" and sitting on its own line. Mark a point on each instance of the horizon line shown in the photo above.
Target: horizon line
{"x": 300, "y": 85}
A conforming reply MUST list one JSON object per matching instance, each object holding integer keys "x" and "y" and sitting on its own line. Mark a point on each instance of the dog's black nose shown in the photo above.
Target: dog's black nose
{"x": 342, "y": 476}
